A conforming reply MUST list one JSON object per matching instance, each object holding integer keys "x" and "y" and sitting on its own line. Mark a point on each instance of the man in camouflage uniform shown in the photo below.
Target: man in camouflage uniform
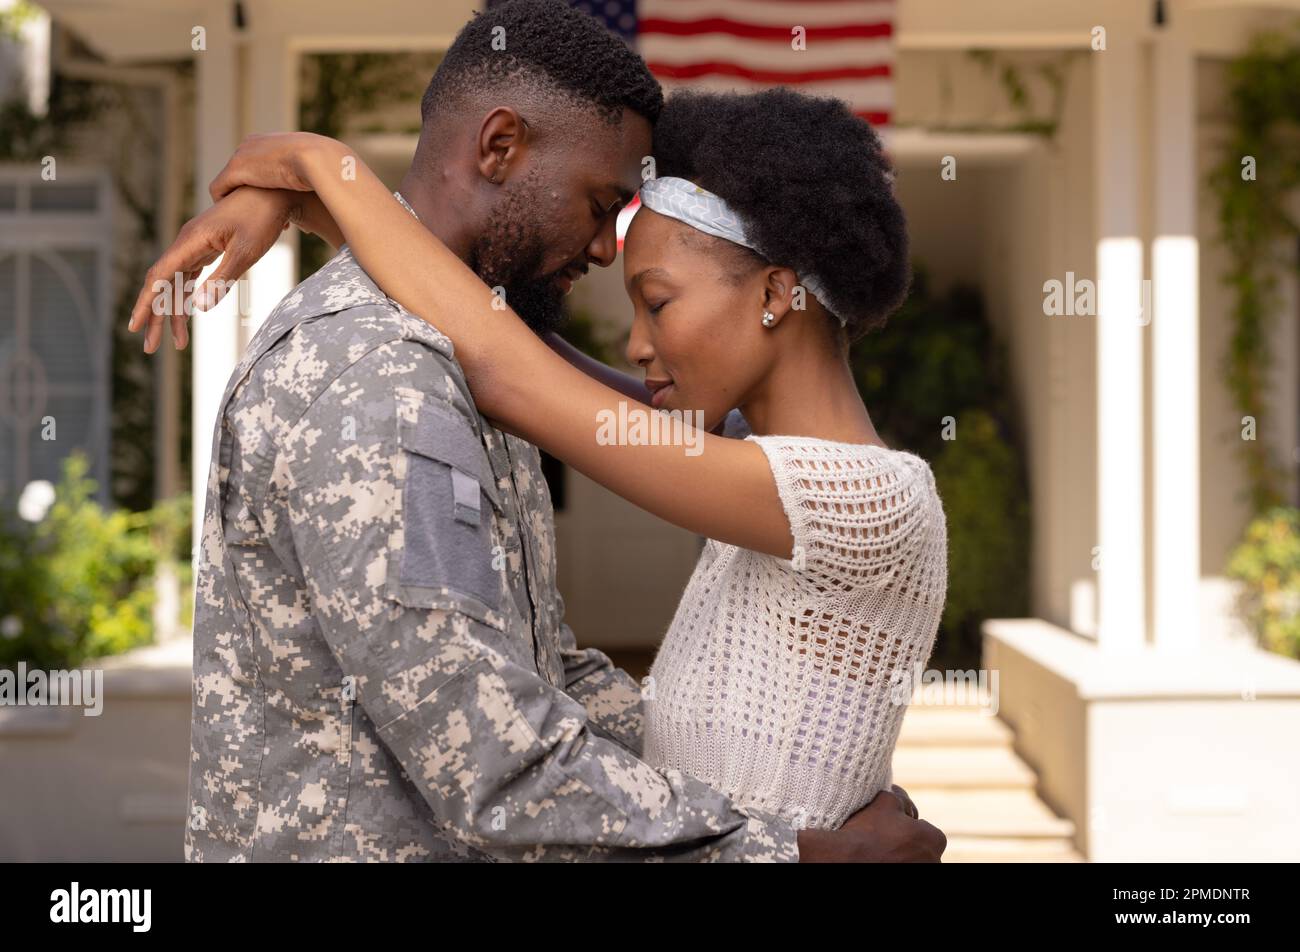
{"x": 381, "y": 666}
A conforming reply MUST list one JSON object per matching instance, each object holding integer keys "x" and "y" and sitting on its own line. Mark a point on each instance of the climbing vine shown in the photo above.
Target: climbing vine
{"x": 1259, "y": 170}
{"x": 1014, "y": 78}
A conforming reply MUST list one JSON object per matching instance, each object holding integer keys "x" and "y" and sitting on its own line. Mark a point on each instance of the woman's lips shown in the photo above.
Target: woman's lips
{"x": 659, "y": 390}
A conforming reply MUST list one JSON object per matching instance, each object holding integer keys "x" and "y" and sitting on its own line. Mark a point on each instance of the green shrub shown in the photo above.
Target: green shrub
{"x": 937, "y": 358}
{"x": 1267, "y": 563}
{"x": 78, "y": 584}
{"x": 978, "y": 477}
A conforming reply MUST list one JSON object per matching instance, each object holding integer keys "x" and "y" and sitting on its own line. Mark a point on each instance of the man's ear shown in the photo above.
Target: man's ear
{"x": 779, "y": 292}
{"x": 502, "y": 143}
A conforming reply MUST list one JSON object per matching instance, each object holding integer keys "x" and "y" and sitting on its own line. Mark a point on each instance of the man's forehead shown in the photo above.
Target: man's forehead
{"x": 613, "y": 160}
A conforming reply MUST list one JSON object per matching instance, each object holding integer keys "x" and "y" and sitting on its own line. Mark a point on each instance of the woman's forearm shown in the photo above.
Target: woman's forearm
{"x": 718, "y": 487}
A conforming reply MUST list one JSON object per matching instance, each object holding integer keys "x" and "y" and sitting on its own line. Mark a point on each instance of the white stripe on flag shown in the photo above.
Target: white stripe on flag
{"x": 769, "y": 12}
{"x": 678, "y": 50}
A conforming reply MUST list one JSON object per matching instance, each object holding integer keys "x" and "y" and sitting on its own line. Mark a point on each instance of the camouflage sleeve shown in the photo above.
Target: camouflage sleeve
{"x": 610, "y": 696}
{"x": 397, "y": 555}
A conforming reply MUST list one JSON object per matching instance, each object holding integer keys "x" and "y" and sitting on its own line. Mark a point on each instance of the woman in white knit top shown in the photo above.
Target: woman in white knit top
{"x": 778, "y": 682}
{"x": 769, "y": 240}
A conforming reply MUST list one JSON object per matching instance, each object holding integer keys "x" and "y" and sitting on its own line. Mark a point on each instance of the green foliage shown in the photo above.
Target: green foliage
{"x": 79, "y": 584}
{"x": 979, "y": 479}
{"x": 28, "y": 137}
{"x": 1264, "y": 88}
{"x": 338, "y": 87}
{"x": 1011, "y": 77}
{"x": 934, "y": 358}
{"x": 1026, "y": 80}
{"x": 13, "y": 18}
{"x": 1268, "y": 563}
{"x": 935, "y": 362}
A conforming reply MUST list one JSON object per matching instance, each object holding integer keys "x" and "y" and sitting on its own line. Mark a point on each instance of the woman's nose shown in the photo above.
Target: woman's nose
{"x": 639, "y": 352}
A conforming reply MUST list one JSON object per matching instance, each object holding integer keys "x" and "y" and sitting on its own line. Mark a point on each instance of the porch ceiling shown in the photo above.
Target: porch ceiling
{"x": 126, "y": 31}
{"x": 139, "y": 30}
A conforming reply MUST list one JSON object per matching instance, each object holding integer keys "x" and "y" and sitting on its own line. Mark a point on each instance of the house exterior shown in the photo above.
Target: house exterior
{"x": 1147, "y": 715}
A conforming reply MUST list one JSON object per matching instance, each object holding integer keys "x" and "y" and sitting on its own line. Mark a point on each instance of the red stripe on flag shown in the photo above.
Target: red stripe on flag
{"x": 875, "y": 118}
{"x": 760, "y": 31}
{"x": 784, "y": 77}
{"x": 788, "y": 2}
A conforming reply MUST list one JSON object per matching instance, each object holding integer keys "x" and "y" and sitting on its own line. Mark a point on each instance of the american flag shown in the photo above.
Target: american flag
{"x": 840, "y": 48}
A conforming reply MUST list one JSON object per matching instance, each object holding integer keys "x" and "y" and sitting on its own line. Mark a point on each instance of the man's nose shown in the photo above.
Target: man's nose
{"x": 604, "y": 247}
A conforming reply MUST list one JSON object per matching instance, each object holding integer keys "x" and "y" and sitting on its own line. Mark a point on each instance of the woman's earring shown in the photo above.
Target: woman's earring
{"x": 768, "y": 318}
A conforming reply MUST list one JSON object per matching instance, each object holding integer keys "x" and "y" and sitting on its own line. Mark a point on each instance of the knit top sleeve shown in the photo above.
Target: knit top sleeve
{"x": 857, "y": 512}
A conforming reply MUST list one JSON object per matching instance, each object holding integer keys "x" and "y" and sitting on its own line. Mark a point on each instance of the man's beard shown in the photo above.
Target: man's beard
{"x": 509, "y": 254}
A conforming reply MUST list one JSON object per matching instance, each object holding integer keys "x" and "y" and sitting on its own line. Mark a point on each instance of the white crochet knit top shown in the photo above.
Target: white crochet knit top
{"x": 778, "y": 682}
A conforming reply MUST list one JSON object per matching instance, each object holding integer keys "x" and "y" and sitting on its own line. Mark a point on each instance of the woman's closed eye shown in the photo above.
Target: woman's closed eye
{"x": 655, "y": 308}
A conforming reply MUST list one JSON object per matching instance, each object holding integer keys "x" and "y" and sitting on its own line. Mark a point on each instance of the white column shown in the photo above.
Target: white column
{"x": 215, "y": 333}
{"x": 1121, "y": 621}
{"x": 34, "y": 55}
{"x": 1175, "y": 370}
{"x": 167, "y": 417}
{"x": 272, "y": 106}
{"x": 167, "y": 448}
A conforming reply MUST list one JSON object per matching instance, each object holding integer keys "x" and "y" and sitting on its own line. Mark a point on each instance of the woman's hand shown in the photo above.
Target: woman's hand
{"x": 262, "y": 189}
{"x": 278, "y": 160}
{"x": 242, "y": 227}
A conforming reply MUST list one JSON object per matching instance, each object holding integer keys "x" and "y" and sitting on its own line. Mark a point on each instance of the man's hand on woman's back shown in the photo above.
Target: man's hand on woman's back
{"x": 886, "y": 830}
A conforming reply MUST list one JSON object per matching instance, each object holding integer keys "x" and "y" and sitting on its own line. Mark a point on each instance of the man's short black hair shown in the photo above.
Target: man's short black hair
{"x": 811, "y": 182}
{"x": 546, "y": 43}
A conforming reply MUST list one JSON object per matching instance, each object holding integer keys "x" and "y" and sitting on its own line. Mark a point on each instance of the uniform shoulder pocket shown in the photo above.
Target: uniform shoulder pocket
{"x": 449, "y": 500}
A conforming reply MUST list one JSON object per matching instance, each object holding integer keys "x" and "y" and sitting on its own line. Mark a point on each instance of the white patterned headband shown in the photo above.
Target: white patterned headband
{"x": 687, "y": 202}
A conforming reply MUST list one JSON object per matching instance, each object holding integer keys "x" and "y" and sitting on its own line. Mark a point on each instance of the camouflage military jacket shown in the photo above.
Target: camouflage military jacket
{"x": 381, "y": 667}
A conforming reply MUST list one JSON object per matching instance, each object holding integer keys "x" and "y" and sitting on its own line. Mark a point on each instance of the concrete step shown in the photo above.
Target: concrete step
{"x": 991, "y": 814}
{"x": 952, "y": 727}
{"x": 985, "y": 850}
{"x": 960, "y": 768}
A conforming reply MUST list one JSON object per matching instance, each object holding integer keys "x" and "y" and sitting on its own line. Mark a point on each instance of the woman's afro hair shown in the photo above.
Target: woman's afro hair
{"x": 811, "y": 182}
